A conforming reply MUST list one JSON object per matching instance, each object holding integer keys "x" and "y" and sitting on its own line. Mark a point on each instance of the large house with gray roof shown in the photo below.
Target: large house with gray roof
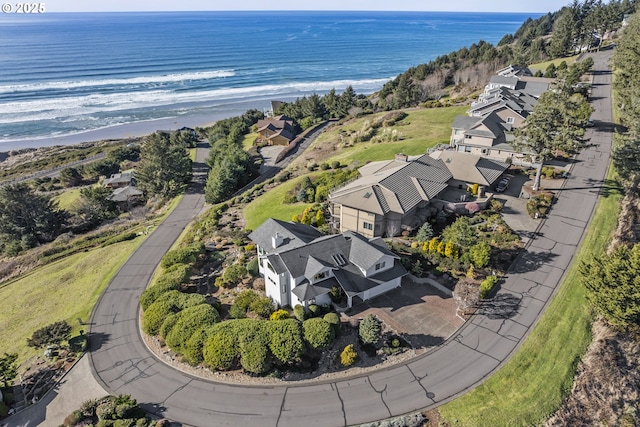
{"x": 506, "y": 102}
{"x": 300, "y": 265}
{"x": 391, "y": 195}
{"x": 387, "y": 195}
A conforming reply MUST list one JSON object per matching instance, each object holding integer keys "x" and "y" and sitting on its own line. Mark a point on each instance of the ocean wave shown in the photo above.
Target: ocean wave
{"x": 141, "y": 80}
{"x": 66, "y": 107}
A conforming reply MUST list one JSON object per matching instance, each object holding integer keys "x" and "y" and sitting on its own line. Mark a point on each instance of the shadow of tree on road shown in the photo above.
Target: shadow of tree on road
{"x": 502, "y": 306}
{"x": 96, "y": 340}
{"x": 531, "y": 261}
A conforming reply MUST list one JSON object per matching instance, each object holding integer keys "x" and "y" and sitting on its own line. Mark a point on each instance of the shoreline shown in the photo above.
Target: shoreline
{"x": 135, "y": 129}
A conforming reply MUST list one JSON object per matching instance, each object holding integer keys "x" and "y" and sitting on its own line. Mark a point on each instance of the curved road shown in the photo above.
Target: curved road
{"x": 123, "y": 364}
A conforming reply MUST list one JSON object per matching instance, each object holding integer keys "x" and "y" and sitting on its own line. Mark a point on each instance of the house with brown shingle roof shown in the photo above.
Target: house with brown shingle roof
{"x": 275, "y": 130}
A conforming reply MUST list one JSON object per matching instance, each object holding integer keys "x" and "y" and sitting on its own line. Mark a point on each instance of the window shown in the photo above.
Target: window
{"x": 467, "y": 149}
{"x": 485, "y": 151}
{"x": 320, "y": 276}
{"x": 270, "y": 267}
{"x": 467, "y": 136}
{"x": 380, "y": 265}
{"x": 510, "y": 120}
{"x": 367, "y": 225}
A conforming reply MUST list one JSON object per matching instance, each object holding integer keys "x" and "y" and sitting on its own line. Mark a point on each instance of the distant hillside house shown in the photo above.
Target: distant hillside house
{"x": 275, "y": 131}
{"x": 119, "y": 180}
{"x": 301, "y": 266}
{"x": 504, "y": 105}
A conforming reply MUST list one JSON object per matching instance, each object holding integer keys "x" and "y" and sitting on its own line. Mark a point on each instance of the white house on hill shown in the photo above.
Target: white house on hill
{"x": 301, "y": 266}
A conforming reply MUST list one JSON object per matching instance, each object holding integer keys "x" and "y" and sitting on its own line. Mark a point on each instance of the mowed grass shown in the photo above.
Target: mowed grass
{"x": 64, "y": 290}
{"x": 533, "y": 384}
{"x": 271, "y": 205}
{"x": 420, "y": 130}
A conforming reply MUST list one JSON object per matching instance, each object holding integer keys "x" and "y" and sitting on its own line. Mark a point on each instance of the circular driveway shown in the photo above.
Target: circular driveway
{"x": 123, "y": 364}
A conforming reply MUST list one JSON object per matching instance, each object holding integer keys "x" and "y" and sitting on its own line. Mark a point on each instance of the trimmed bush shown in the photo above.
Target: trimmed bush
{"x": 252, "y": 267}
{"x": 285, "y": 340}
{"x": 220, "y": 350}
{"x": 279, "y": 315}
{"x": 192, "y": 348}
{"x": 318, "y": 333}
{"x": 189, "y": 321}
{"x": 242, "y": 303}
{"x": 314, "y": 310}
{"x": 348, "y": 355}
{"x": 153, "y": 316}
{"x": 185, "y": 255}
{"x": 171, "y": 279}
{"x": 487, "y": 285}
{"x": 334, "y": 320}
{"x": 370, "y": 329}
{"x": 263, "y": 307}
{"x": 168, "y": 324}
{"x": 254, "y": 356}
{"x": 299, "y": 313}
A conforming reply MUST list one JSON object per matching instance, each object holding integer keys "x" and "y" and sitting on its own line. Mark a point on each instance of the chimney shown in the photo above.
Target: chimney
{"x": 276, "y": 240}
{"x": 402, "y": 157}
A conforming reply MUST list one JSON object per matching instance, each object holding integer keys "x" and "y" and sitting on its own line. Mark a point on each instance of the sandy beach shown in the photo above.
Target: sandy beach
{"x": 136, "y": 129}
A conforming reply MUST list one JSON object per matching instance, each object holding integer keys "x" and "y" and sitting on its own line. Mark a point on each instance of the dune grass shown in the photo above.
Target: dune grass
{"x": 532, "y": 385}
{"x": 63, "y": 290}
{"x": 271, "y": 205}
{"x": 248, "y": 140}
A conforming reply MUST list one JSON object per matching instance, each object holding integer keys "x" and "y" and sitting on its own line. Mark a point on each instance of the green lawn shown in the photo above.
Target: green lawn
{"x": 542, "y": 66}
{"x": 532, "y": 385}
{"x": 420, "y": 130}
{"x": 271, "y": 205}
{"x": 64, "y": 290}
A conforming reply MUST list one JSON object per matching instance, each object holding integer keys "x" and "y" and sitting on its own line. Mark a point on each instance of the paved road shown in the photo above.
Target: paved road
{"x": 123, "y": 364}
{"x": 54, "y": 172}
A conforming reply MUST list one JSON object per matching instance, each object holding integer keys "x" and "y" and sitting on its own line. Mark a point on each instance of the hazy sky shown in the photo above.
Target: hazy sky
{"x": 404, "y": 5}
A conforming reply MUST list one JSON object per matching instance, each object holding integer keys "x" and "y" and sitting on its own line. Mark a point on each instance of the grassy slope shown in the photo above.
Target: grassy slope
{"x": 68, "y": 198}
{"x": 271, "y": 205}
{"x": 64, "y": 290}
{"x": 543, "y": 65}
{"x": 533, "y": 383}
{"x": 422, "y": 129}
{"x": 248, "y": 140}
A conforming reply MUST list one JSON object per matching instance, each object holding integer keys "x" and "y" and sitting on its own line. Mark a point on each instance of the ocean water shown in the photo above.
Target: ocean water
{"x": 62, "y": 74}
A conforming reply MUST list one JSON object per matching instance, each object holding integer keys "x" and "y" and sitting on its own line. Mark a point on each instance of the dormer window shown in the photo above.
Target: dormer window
{"x": 380, "y": 265}
{"x": 320, "y": 276}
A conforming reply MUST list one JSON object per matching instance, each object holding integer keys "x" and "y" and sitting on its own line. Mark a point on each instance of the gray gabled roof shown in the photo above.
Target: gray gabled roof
{"x": 124, "y": 194}
{"x": 306, "y": 291}
{"x": 293, "y": 234}
{"x": 471, "y": 168}
{"x": 363, "y": 253}
{"x": 314, "y": 266}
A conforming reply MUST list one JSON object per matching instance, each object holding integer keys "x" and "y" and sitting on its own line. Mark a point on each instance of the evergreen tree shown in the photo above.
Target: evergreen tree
{"x": 29, "y": 218}
{"x": 164, "y": 166}
{"x": 556, "y": 124}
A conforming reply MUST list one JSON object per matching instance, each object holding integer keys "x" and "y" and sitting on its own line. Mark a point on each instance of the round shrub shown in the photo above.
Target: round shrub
{"x": 254, "y": 356}
{"x": 192, "y": 348}
{"x": 334, "y": 320}
{"x": 236, "y": 312}
{"x": 168, "y": 324}
{"x": 252, "y": 267}
{"x": 189, "y": 321}
{"x": 182, "y": 255}
{"x": 348, "y": 355}
{"x": 314, "y": 310}
{"x": 318, "y": 333}
{"x": 285, "y": 340}
{"x": 154, "y": 315}
{"x": 152, "y": 293}
{"x": 220, "y": 350}
{"x": 370, "y": 329}
{"x": 262, "y": 306}
{"x": 279, "y": 315}
{"x": 299, "y": 313}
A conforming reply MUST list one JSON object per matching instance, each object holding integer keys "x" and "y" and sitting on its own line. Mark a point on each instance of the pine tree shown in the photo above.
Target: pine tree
{"x": 164, "y": 167}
